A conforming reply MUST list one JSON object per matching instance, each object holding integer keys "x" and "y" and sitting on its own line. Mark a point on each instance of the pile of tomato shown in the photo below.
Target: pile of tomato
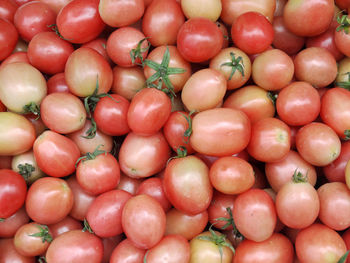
{"x": 200, "y": 131}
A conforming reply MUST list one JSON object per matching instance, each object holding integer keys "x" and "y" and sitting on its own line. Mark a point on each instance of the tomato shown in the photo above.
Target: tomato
{"x": 316, "y": 66}
{"x": 121, "y": 42}
{"x": 148, "y": 111}
{"x": 22, "y": 94}
{"x": 32, "y": 239}
{"x": 49, "y": 200}
{"x": 143, "y": 221}
{"x": 254, "y": 215}
{"x": 311, "y": 248}
{"x": 57, "y": 83}
{"x": 65, "y": 225}
{"x": 252, "y": 32}
{"x": 99, "y": 45}
{"x": 154, "y": 188}
{"x": 275, "y": 249}
{"x": 13, "y": 194}
{"x": 9, "y": 226}
{"x": 297, "y": 202}
{"x": 63, "y": 112}
{"x": 231, "y": 9}
{"x": 334, "y": 201}
{"x": 234, "y": 64}
{"x": 25, "y": 164}
{"x": 189, "y": 226}
{"x": 208, "y": 85}
{"x": 219, "y": 209}
{"x": 308, "y": 18}
{"x": 270, "y": 140}
{"x": 220, "y": 132}
{"x": 171, "y": 249}
{"x": 125, "y": 251}
{"x": 8, "y": 252}
{"x": 8, "y": 9}
{"x": 199, "y": 39}
{"x": 75, "y": 246}
{"x": 17, "y": 134}
{"x": 281, "y": 172}
{"x": 231, "y": 175}
{"x": 79, "y": 21}
{"x": 105, "y": 213}
{"x": 98, "y": 172}
{"x": 272, "y": 70}
{"x": 207, "y": 9}
{"x": 46, "y": 47}
{"x": 284, "y": 39}
{"x": 32, "y": 18}
{"x": 318, "y": 144}
{"x": 121, "y": 13}
{"x": 342, "y": 39}
{"x": 162, "y": 21}
{"x": 55, "y": 154}
{"x": 86, "y": 70}
{"x": 187, "y": 185}
{"x": 8, "y": 38}
{"x": 127, "y": 81}
{"x": 129, "y": 184}
{"x": 335, "y": 171}
{"x": 55, "y": 5}
{"x": 82, "y": 199}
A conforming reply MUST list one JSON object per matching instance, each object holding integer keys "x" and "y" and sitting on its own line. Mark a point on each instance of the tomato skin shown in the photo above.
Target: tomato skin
{"x": 84, "y": 68}
{"x": 276, "y": 249}
{"x": 220, "y": 132}
{"x": 143, "y": 156}
{"x": 148, "y": 111}
{"x": 143, "y": 221}
{"x": 98, "y": 175}
{"x": 13, "y": 194}
{"x": 55, "y": 154}
{"x": 319, "y": 244}
{"x": 218, "y": 209}
{"x": 46, "y": 47}
{"x": 57, "y": 83}
{"x": 342, "y": 40}
{"x": 8, "y": 252}
{"x": 79, "y": 21}
{"x": 9, "y": 227}
{"x": 8, "y": 9}
{"x": 105, "y": 213}
{"x": 23, "y": 159}
{"x": 121, "y": 13}
{"x": 162, "y": 21}
{"x": 252, "y": 33}
{"x": 65, "y": 225}
{"x": 32, "y": 18}
{"x": 17, "y": 134}
{"x": 8, "y": 38}
{"x": 187, "y": 185}
{"x": 199, "y": 39}
{"x": 111, "y": 115}
{"x": 255, "y": 215}
{"x": 49, "y": 200}
{"x": 75, "y": 246}
{"x": 126, "y": 252}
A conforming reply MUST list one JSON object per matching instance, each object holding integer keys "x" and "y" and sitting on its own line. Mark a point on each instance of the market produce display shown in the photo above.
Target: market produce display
{"x": 175, "y": 131}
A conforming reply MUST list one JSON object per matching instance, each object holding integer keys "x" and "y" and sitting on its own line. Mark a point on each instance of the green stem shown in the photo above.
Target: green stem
{"x": 43, "y": 233}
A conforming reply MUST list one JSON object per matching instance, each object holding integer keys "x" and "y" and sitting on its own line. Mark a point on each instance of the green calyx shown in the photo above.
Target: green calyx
{"x": 344, "y": 23}
{"x": 90, "y": 103}
{"x": 235, "y": 64}
{"x": 218, "y": 239}
{"x": 43, "y": 233}
{"x": 137, "y": 52}
{"x": 188, "y": 132}
{"x": 87, "y": 227}
{"x": 344, "y": 257}
{"x": 181, "y": 153}
{"x": 26, "y": 170}
{"x": 229, "y": 222}
{"x": 272, "y": 96}
{"x": 347, "y": 135}
{"x": 91, "y": 156}
{"x": 344, "y": 84}
{"x": 54, "y": 28}
{"x": 298, "y": 177}
{"x": 32, "y": 107}
{"x": 162, "y": 74}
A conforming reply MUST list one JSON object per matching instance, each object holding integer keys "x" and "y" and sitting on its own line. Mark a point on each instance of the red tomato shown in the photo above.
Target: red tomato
{"x": 13, "y": 194}
{"x": 342, "y": 39}
{"x": 55, "y": 154}
{"x": 75, "y": 246}
{"x": 8, "y": 38}
{"x": 55, "y": 5}
{"x": 79, "y": 21}
{"x": 187, "y": 185}
{"x": 8, "y": 9}
{"x": 143, "y": 221}
{"x": 8, "y": 252}
{"x": 218, "y": 210}
{"x": 254, "y": 215}
{"x": 9, "y": 226}
{"x": 199, "y": 39}
{"x": 252, "y": 32}
{"x": 129, "y": 184}
{"x": 65, "y": 225}
{"x": 99, "y": 45}
{"x": 105, "y": 213}
{"x": 125, "y": 251}
{"x": 162, "y": 21}
{"x": 57, "y": 83}
{"x": 49, "y": 200}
